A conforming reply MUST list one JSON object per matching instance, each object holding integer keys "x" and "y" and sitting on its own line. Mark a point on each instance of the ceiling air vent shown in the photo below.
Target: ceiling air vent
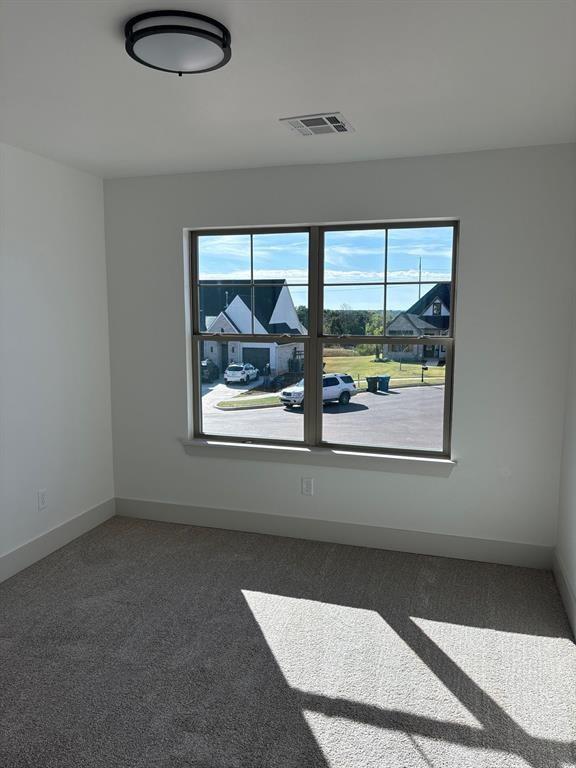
{"x": 323, "y": 122}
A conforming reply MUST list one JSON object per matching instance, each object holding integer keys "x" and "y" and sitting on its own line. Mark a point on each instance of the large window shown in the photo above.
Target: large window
{"x": 295, "y": 336}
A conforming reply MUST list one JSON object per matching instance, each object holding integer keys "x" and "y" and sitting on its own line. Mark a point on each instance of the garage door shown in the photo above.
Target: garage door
{"x": 258, "y": 356}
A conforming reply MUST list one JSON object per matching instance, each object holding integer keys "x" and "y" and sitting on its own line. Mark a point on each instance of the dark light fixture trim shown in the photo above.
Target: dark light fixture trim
{"x": 193, "y": 24}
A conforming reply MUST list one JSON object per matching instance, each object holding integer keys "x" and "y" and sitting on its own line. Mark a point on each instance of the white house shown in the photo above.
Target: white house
{"x": 225, "y": 308}
{"x": 429, "y": 316}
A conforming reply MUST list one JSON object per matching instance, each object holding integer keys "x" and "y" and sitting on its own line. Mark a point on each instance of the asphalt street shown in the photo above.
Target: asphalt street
{"x": 409, "y": 417}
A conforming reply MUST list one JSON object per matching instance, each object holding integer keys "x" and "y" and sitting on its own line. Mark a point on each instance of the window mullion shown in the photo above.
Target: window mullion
{"x": 313, "y": 364}
{"x": 252, "y": 290}
{"x": 385, "y": 318}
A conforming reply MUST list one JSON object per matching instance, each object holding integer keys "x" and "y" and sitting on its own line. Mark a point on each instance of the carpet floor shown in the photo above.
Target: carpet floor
{"x": 151, "y": 645}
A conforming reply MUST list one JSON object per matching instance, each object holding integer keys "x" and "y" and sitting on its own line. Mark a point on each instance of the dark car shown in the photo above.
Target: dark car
{"x": 210, "y": 371}
{"x": 284, "y": 380}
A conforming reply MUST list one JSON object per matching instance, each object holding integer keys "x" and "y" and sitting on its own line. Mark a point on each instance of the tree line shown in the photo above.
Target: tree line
{"x": 349, "y": 322}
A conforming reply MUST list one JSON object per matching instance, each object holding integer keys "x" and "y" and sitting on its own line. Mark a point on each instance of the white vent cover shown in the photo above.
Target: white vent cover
{"x": 322, "y": 122}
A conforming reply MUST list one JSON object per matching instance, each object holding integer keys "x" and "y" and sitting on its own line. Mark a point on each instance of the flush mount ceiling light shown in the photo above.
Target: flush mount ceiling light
{"x": 177, "y": 41}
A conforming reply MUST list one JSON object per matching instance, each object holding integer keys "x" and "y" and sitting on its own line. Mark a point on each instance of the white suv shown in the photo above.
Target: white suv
{"x": 240, "y": 373}
{"x": 335, "y": 386}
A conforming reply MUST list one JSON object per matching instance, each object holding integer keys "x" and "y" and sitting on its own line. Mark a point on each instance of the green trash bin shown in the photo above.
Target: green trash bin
{"x": 372, "y": 382}
{"x": 383, "y": 383}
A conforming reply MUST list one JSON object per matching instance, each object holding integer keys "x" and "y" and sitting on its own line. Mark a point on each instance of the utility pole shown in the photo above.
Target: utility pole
{"x": 420, "y": 277}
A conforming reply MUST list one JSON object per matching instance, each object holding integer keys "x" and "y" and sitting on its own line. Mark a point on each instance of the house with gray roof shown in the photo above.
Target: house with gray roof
{"x": 226, "y": 307}
{"x": 429, "y": 316}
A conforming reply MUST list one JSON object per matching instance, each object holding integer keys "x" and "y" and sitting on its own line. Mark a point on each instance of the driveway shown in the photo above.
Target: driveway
{"x": 409, "y": 417}
{"x": 217, "y": 391}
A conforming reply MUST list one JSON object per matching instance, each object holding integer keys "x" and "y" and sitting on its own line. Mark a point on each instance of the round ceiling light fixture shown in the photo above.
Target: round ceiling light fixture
{"x": 177, "y": 41}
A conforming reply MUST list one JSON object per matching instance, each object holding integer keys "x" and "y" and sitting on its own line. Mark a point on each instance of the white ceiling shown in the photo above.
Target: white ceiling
{"x": 414, "y": 77}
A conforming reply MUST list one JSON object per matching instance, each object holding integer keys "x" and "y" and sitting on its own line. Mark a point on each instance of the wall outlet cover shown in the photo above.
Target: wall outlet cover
{"x": 42, "y": 499}
{"x": 308, "y": 486}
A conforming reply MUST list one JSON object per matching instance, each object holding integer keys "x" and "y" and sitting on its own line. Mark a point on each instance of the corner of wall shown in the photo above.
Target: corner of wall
{"x": 567, "y": 593}
{"x": 40, "y": 547}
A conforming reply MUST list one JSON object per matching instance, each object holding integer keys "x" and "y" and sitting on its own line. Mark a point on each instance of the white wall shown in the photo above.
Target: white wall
{"x": 517, "y": 247}
{"x": 566, "y": 547}
{"x": 55, "y": 424}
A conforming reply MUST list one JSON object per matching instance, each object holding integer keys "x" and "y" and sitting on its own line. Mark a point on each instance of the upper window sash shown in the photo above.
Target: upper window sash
{"x": 281, "y": 282}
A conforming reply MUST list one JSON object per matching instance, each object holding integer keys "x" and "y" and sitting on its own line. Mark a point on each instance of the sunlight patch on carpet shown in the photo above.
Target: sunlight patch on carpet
{"x": 352, "y": 655}
{"x": 439, "y": 754}
{"x": 531, "y": 678}
{"x": 343, "y": 740}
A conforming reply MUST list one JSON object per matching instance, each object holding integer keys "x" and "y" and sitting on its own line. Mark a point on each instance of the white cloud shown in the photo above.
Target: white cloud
{"x": 290, "y": 275}
{"x": 333, "y": 275}
{"x": 414, "y": 276}
{"x": 224, "y": 246}
{"x": 219, "y": 247}
{"x": 352, "y": 276}
{"x": 353, "y": 234}
{"x": 341, "y": 255}
{"x": 424, "y": 251}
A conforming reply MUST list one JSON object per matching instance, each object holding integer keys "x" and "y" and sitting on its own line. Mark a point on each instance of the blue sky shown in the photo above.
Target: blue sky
{"x": 351, "y": 256}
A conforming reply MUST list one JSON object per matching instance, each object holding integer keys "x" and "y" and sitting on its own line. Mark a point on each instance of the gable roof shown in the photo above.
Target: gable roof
{"x": 407, "y": 321}
{"x": 439, "y": 291}
{"x": 218, "y": 294}
{"x": 216, "y": 322}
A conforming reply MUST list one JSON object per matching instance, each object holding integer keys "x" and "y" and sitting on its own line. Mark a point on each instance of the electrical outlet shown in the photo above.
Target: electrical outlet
{"x": 308, "y": 486}
{"x": 42, "y": 500}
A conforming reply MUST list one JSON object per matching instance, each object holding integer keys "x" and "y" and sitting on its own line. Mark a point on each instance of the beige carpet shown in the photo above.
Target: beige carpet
{"x": 143, "y": 645}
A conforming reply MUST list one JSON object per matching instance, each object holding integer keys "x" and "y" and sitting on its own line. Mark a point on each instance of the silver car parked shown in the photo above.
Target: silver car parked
{"x": 240, "y": 373}
{"x": 335, "y": 387}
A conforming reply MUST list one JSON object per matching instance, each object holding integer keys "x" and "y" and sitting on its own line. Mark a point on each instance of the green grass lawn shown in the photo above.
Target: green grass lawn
{"x": 402, "y": 374}
{"x": 251, "y": 392}
{"x": 241, "y": 401}
{"x": 358, "y": 366}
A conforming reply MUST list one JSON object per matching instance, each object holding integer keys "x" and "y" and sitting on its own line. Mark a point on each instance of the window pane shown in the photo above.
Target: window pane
{"x": 225, "y": 307}
{"x": 418, "y": 310}
{"x": 407, "y": 409}
{"x": 224, "y": 257}
{"x": 353, "y": 310}
{"x": 244, "y": 384}
{"x": 281, "y": 256}
{"x": 280, "y": 308}
{"x": 354, "y": 256}
{"x": 420, "y": 254}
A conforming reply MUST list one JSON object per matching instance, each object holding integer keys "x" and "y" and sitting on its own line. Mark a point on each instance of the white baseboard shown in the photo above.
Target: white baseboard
{"x": 567, "y": 592}
{"x": 43, "y": 545}
{"x": 486, "y": 550}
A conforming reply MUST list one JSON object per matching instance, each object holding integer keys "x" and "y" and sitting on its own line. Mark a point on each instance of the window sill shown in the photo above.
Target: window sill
{"x": 320, "y": 457}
